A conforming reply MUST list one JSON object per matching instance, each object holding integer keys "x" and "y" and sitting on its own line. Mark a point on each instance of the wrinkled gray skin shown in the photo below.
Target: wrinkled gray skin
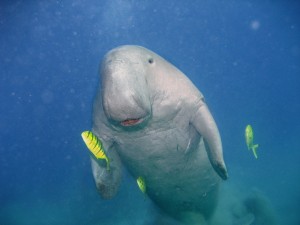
{"x": 151, "y": 118}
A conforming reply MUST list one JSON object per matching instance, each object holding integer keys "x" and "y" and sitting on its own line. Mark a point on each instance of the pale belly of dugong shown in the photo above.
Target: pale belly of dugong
{"x": 151, "y": 118}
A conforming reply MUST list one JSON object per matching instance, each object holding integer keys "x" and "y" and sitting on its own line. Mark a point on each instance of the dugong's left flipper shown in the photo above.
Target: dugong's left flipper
{"x": 206, "y": 126}
{"x": 107, "y": 181}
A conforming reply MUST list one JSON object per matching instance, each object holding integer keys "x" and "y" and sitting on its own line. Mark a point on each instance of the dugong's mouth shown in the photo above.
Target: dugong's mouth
{"x": 131, "y": 122}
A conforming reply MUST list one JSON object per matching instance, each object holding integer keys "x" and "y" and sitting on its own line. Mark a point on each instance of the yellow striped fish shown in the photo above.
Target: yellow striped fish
{"x": 249, "y": 140}
{"x": 95, "y": 146}
{"x": 141, "y": 183}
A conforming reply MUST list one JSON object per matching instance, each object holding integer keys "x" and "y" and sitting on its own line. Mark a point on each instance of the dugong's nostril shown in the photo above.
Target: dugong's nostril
{"x": 150, "y": 60}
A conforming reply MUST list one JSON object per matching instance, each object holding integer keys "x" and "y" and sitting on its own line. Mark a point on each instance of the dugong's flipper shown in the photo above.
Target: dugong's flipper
{"x": 107, "y": 181}
{"x": 206, "y": 126}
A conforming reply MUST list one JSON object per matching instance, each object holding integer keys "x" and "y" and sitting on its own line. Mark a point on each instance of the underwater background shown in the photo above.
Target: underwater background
{"x": 243, "y": 55}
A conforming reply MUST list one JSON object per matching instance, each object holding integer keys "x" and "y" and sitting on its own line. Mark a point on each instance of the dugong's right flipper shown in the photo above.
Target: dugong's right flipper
{"x": 107, "y": 181}
{"x": 207, "y": 128}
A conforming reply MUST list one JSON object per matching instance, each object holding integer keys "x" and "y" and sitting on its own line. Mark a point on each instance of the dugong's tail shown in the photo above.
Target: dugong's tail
{"x": 188, "y": 218}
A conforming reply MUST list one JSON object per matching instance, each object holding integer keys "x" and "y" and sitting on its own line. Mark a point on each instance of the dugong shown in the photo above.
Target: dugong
{"x": 152, "y": 119}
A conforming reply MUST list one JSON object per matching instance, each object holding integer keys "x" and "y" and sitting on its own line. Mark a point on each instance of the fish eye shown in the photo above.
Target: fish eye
{"x": 150, "y": 60}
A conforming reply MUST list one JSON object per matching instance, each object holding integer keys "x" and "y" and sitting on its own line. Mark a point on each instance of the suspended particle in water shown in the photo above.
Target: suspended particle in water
{"x": 255, "y": 25}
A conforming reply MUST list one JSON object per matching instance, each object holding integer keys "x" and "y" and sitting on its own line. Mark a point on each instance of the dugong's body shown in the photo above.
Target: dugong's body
{"x": 151, "y": 118}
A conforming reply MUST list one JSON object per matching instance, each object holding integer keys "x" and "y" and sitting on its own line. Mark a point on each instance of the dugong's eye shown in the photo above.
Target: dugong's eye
{"x": 150, "y": 60}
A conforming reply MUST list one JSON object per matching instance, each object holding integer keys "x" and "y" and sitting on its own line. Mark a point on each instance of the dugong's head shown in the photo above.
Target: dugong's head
{"x": 125, "y": 95}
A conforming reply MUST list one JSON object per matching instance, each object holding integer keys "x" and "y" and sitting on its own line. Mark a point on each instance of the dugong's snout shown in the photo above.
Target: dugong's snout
{"x": 125, "y": 95}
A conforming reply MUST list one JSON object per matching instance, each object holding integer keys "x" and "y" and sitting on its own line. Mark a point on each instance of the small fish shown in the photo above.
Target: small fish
{"x": 141, "y": 183}
{"x": 249, "y": 140}
{"x": 95, "y": 146}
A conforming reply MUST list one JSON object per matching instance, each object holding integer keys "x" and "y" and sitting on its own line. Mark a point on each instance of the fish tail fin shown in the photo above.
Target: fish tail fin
{"x": 254, "y": 147}
{"x": 107, "y": 163}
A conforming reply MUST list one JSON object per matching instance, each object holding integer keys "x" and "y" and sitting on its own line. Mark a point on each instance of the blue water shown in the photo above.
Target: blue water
{"x": 243, "y": 55}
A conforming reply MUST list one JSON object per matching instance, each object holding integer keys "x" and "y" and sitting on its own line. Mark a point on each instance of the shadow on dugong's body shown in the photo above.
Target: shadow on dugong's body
{"x": 151, "y": 118}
